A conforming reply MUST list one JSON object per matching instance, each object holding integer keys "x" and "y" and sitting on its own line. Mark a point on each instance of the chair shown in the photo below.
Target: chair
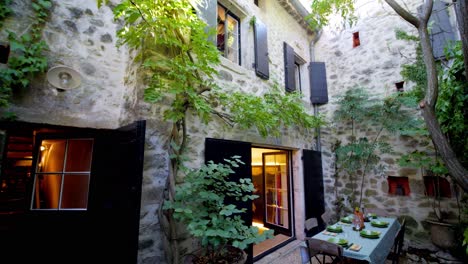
{"x": 397, "y": 247}
{"x": 309, "y": 225}
{"x": 324, "y": 251}
{"x": 326, "y": 217}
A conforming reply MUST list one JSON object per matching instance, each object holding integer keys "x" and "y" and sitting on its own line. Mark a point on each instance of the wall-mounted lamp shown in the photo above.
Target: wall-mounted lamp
{"x": 63, "y": 77}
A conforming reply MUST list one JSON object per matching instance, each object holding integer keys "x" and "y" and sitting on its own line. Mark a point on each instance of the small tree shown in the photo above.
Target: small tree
{"x": 319, "y": 17}
{"x": 179, "y": 61}
{"x": 357, "y": 111}
{"x": 204, "y": 204}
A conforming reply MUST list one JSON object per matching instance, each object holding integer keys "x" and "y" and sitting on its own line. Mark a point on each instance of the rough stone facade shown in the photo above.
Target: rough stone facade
{"x": 83, "y": 37}
{"x": 375, "y": 65}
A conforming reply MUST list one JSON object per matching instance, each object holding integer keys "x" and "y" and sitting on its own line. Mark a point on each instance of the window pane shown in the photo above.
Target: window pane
{"x": 232, "y": 43}
{"x": 79, "y": 155}
{"x": 51, "y": 155}
{"x": 297, "y": 75}
{"x": 276, "y": 189}
{"x": 221, "y": 29}
{"x": 75, "y": 191}
{"x": 47, "y": 191}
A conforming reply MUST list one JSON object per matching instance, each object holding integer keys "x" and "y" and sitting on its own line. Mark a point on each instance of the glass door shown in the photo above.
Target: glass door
{"x": 277, "y": 197}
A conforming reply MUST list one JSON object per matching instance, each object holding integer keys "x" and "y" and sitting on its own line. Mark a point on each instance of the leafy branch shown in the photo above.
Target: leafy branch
{"x": 27, "y": 52}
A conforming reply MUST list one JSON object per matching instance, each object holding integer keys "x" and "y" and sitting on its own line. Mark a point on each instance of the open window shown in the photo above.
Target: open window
{"x": 228, "y": 34}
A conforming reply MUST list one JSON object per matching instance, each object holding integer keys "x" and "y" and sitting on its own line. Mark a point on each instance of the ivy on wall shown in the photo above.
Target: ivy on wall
{"x": 26, "y": 51}
{"x": 179, "y": 63}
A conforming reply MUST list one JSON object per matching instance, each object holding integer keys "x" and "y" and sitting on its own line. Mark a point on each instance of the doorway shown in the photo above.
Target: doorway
{"x": 271, "y": 176}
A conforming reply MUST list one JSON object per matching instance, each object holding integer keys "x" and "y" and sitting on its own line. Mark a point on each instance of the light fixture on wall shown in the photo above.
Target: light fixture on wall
{"x": 63, "y": 77}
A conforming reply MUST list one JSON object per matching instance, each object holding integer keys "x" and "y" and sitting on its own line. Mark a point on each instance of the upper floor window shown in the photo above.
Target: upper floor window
{"x": 228, "y": 34}
{"x": 292, "y": 69}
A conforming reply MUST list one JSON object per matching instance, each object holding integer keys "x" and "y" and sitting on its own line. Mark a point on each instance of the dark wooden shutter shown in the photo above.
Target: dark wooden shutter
{"x": 107, "y": 232}
{"x": 207, "y": 10}
{"x": 217, "y": 150}
{"x": 261, "y": 50}
{"x": 313, "y": 187}
{"x": 289, "y": 68}
{"x": 441, "y": 29}
{"x": 318, "y": 83}
{"x": 116, "y": 193}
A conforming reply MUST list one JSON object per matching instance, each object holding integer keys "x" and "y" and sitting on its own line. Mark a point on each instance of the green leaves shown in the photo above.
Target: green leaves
{"x": 322, "y": 9}
{"x": 200, "y": 203}
{"x": 26, "y": 52}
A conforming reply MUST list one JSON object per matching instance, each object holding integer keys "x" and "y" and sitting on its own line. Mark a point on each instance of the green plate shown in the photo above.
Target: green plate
{"x": 335, "y": 229}
{"x": 340, "y": 241}
{"x": 369, "y": 234}
{"x": 379, "y": 223}
{"x": 347, "y": 220}
{"x": 371, "y": 215}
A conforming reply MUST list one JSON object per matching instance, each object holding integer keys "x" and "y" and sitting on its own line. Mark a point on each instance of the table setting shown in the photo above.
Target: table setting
{"x": 372, "y": 243}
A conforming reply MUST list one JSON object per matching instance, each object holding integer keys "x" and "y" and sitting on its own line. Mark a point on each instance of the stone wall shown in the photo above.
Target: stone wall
{"x": 81, "y": 36}
{"x": 374, "y": 65}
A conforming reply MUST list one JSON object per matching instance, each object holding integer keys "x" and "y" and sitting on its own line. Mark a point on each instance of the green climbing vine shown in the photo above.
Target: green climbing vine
{"x": 178, "y": 62}
{"x": 26, "y": 50}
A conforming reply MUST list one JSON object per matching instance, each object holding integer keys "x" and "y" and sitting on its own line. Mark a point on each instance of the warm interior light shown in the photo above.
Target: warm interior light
{"x": 43, "y": 148}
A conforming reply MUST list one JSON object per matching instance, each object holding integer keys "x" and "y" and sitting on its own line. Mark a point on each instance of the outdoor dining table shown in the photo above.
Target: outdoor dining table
{"x": 373, "y": 250}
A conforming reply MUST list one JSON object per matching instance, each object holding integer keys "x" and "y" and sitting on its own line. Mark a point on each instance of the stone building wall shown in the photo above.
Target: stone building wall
{"x": 374, "y": 65}
{"x": 83, "y": 37}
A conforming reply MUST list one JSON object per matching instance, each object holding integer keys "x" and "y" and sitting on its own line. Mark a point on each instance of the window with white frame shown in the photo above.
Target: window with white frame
{"x": 228, "y": 34}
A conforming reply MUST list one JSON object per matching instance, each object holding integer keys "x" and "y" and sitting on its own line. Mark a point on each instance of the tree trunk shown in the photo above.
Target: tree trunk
{"x": 456, "y": 170}
{"x": 461, "y": 9}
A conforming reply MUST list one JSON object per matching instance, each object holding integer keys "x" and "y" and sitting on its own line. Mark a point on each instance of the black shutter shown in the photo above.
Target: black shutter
{"x": 441, "y": 29}
{"x": 289, "y": 68}
{"x": 107, "y": 232}
{"x": 208, "y": 11}
{"x": 313, "y": 187}
{"x": 116, "y": 192}
{"x": 217, "y": 150}
{"x": 261, "y": 50}
{"x": 318, "y": 83}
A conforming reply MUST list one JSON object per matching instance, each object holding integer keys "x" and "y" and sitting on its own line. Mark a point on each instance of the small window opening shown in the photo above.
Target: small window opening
{"x": 356, "y": 40}
{"x": 398, "y": 186}
{"x": 297, "y": 73}
{"x": 437, "y": 186}
{"x": 256, "y": 2}
{"x": 399, "y": 86}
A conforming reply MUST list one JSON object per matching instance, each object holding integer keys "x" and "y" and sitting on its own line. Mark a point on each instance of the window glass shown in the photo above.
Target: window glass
{"x": 63, "y": 174}
{"x": 52, "y": 153}
{"x": 297, "y": 73}
{"x": 47, "y": 191}
{"x": 75, "y": 191}
{"x": 78, "y": 155}
{"x": 228, "y": 34}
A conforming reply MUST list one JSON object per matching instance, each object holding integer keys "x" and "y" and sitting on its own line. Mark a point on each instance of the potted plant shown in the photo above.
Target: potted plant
{"x": 442, "y": 230}
{"x": 202, "y": 204}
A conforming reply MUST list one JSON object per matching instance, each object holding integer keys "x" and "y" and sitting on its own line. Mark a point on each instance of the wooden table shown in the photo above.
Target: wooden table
{"x": 372, "y": 250}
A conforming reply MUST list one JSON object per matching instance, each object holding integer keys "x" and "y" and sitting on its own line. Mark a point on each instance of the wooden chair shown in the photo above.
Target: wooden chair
{"x": 323, "y": 251}
{"x": 326, "y": 217}
{"x": 397, "y": 247}
{"x": 310, "y": 224}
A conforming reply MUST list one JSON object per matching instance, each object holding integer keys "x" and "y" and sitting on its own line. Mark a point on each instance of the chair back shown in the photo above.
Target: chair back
{"x": 325, "y": 248}
{"x": 326, "y": 217}
{"x": 310, "y": 223}
{"x": 398, "y": 243}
